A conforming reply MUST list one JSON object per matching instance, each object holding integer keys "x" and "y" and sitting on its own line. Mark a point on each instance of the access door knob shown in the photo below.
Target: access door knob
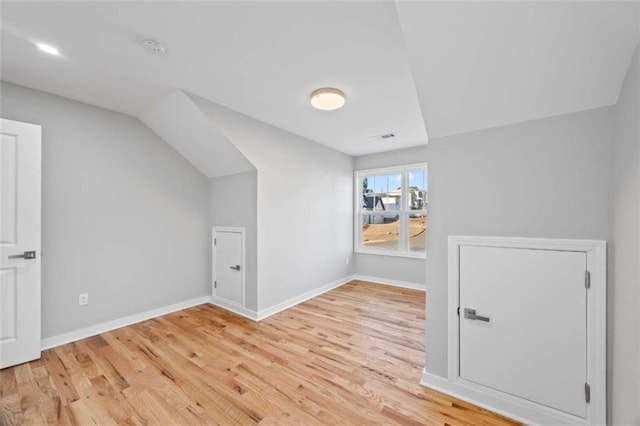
{"x": 471, "y": 314}
{"x": 236, "y": 268}
{"x": 25, "y": 255}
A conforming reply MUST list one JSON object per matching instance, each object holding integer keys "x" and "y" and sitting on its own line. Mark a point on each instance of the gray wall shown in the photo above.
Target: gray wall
{"x": 124, "y": 215}
{"x": 398, "y": 157}
{"x": 305, "y": 206}
{"x": 233, "y": 202}
{"x": 388, "y": 267}
{"x": 549, "y": 178}
{"x": 624, "y": 294}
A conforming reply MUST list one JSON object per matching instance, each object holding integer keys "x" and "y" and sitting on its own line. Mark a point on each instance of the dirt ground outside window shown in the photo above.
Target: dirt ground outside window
{"x": 386, "y": 235}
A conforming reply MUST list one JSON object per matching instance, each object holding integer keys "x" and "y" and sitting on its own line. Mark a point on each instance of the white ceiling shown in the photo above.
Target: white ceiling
{"x": 260, "y": 58}
{"x": 475, "y": 64}
{"x": 485, "y": 64}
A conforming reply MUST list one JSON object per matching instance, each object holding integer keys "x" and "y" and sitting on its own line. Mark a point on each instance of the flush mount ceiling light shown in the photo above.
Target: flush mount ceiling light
{"x": 47, "y": 48}
{"x": 327, "y": 99}
{"x": 153, "y": 47}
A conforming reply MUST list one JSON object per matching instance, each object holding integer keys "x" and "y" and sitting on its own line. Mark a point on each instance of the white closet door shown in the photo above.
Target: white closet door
{"x": 529, "y": 336}
{"x": 229, "y": 269}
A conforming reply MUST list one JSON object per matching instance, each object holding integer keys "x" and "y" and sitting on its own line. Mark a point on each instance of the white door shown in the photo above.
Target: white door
{"x": 19, "y": 242}
{"x": 529, "y": 334}
{"x": 228, "y": 266}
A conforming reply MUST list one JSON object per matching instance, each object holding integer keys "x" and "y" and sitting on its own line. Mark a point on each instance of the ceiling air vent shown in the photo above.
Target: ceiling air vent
{"x": 386, "y": 136}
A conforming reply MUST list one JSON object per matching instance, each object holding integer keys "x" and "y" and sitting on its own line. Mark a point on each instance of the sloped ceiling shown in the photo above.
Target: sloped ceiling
{"x": 486, "y": 64}
{"x": 456, "y": 66}
{"x": 181, "y": 124}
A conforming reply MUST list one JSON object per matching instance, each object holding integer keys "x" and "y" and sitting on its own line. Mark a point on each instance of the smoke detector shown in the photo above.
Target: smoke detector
{"x": 153, "y": 47}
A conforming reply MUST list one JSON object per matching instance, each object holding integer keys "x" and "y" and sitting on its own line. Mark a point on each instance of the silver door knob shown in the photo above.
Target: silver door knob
{"x": 236, "y": 268}
{"x": 25, "y": 255}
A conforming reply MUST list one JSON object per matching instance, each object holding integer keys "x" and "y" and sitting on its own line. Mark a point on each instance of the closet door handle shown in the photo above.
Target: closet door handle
{"x": 471, "y": 314}
{"x": 235, "y": 268}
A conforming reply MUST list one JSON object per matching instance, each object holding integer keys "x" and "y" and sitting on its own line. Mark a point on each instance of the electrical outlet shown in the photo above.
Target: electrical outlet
{"x": 83, "y": 299}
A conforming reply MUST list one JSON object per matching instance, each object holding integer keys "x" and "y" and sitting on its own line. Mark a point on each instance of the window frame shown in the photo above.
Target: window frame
{"x": 403, "y": 213}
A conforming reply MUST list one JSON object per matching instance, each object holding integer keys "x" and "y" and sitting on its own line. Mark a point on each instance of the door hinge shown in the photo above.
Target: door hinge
{"x": 458, "y": 310}
{"x": 215, "y": 241}
{"x": 587, "y": 392}
{"x": 587, "y": 279}
{"x": 215, "y": 284}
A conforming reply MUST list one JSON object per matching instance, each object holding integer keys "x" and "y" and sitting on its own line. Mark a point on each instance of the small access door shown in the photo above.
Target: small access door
{"x": 523, "y": 324}
{"x": 20, "y": 176}
{"x": 228, "y": 265}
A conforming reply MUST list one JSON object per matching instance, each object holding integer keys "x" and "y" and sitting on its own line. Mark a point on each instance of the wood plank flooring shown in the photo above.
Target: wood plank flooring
{"x": 353, "y": 355}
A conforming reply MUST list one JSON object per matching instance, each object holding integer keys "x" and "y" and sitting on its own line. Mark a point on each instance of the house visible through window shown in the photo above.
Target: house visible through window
{"x": 391, "y": 211}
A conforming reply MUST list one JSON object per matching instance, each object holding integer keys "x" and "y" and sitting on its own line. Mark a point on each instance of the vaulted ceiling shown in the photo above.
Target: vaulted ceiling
{"x": 456, "y": 66}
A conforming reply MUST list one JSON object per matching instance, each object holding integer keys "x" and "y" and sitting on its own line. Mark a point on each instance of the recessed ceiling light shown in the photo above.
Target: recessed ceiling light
{"x": 47, "y": 48}
{"x": 327, "y": 99}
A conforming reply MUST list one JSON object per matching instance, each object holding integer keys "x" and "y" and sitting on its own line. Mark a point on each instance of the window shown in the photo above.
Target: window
{"x": 391, "y": 211}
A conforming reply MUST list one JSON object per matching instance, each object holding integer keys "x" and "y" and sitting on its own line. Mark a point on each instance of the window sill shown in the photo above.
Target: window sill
{"x": 405, "y": 254}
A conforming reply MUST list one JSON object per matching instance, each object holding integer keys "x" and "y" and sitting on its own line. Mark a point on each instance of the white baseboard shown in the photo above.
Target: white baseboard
{"x": 83, "y": 333}
{"x": 264, "y": 313}
{"x": 505, "y": 405}
{"x": 395, "y": 283}
{"x": 247, "y": 313}
{"x": 93, "y": 330}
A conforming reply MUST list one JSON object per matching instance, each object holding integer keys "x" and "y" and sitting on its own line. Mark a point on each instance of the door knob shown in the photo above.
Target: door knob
{"x": 25, "y": 255}
{"x": 236, "y": 268}
{"x": 471, "y": 314}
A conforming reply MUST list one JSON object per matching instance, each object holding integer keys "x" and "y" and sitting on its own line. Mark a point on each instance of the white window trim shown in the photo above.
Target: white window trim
{"x": 357, "y": 228}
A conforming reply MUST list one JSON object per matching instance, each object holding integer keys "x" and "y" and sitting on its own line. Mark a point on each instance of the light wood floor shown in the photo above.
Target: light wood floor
{"x": 351, "y": 356}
